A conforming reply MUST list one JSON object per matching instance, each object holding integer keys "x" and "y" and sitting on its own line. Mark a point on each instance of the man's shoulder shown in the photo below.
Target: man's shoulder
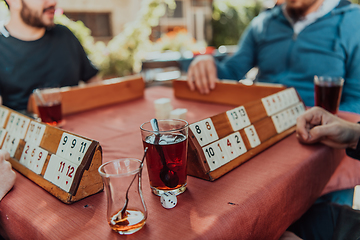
{"x": 351, "y": 16}
{"x": 261, "y": 21}
{"x": 60, "y": 30}
{"x": 347, "y": 9}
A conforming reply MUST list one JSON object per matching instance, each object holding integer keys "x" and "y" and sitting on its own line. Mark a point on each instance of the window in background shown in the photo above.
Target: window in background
{"x": 177, "y": 12}
{"x": 98, "y": 23}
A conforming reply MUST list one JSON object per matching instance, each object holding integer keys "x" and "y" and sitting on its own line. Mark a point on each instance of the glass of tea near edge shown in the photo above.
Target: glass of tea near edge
{"x": 48, "y": 101}
{"x": 166, "y": 158}
{"x": 328, "y": 92}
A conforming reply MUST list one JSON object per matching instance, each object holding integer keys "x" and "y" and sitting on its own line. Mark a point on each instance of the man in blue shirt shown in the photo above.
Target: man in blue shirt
{"x": 290, "y": 44}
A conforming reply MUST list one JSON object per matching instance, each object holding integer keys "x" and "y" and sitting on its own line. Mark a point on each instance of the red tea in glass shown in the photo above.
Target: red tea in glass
{"x": 174, "y": 148}
{"x": 166, "y": 157}
{"x": 51, "y": 113}
{"x": 328, "y": 92}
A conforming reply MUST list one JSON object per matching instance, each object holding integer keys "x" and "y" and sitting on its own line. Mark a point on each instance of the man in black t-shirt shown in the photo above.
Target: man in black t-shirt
{"x": 36, "y": 53}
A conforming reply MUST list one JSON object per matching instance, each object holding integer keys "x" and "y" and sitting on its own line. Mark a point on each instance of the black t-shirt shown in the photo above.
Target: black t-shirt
{"x": 55, "y": 60}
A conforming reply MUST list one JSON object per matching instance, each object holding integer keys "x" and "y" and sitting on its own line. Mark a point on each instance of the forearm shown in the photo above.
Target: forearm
{"x": 236, "y": 66}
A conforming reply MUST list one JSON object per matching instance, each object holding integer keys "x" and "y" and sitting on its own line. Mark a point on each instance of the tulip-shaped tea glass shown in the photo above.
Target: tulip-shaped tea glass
{"x": 166, "y": 157}
{"x": 122, "y": 181}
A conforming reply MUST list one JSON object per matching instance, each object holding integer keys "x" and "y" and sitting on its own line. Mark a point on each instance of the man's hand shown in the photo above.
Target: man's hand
{"x": 202, "y": 74}
{"x": 7, "y": 175}
{"x": 318, "y": 125}
{"x": 95, "y": 79}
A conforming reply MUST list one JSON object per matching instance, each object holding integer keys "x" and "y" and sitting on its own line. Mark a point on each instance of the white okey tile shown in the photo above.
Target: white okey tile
{"x": 252, "y": 136}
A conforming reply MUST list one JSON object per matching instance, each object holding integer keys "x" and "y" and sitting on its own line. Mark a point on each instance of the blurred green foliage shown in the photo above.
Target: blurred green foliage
{"x": 229, "y": 21}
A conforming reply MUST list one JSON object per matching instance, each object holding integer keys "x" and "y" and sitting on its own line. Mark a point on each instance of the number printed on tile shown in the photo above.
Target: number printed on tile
{"x": 77, "y": 149}
{"x": 204, "y": 131}
{"x": 10, "y": 122}
{"x": 25, "y": 156}
{"x": 230, "y": 147}
{"x": 7, "y": 142}
{"x": 234, "y": 118}
{"x": 38, "y": 133}
{"x": 266, "y": 101}
{"x": 293, "y": 95}
{"x": 13, "y": 145}
{"x": 199, "y": 133}
{"x": 252, "y": 136}
{"x": 4, "y": 113}
{"x": 38, "y": 159}
{"x": 3, "y": 133}
{"x": 30, "y": 132}
{"x": 220, "y": 147}
{"x": 35, "y": 132}
{"x": 210, "y": 131}
{"x": 245, "y": 121}
{"x": 238, "y": 118}
{"x": 72, "y": 148}
{"x": 239, "y": 143}
{"x": 60, "y": 172}
{"x": 21, "y": 126}
{"x": 212, "y": 156}
{"x": 277, "y": 123}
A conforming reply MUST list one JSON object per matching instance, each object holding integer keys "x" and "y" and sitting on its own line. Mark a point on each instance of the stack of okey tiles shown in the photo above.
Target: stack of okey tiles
{"x": 62, "y": 163}
{"x": 222, "y": 142}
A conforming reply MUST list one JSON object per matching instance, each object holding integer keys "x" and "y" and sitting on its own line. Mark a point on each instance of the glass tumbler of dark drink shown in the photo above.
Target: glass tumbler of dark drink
{"x": 166, "y": 158}
{"x": 48, "y": 101}
{"x": 328, "y": 92}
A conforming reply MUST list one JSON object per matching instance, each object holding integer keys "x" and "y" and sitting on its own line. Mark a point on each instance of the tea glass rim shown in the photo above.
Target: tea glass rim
{"x": 326, "y": 78}
{"x": 107, "y": 175}
{"x": 166, "y": 131}
{"x": 48, "y": 90}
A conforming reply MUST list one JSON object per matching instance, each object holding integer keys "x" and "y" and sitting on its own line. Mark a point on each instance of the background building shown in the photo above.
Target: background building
{"x": 107, "y": 18}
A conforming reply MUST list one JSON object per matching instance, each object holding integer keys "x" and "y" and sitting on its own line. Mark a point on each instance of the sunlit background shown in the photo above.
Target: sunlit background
{"x": 119, "y": 35}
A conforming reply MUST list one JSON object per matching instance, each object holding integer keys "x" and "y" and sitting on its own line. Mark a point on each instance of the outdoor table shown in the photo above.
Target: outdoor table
{"x": 257, "y": 200}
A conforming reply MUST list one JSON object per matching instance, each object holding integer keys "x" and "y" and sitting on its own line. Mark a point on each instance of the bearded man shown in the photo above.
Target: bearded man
{"x": 36, "y": 53}
{"x": 291, "y": 43}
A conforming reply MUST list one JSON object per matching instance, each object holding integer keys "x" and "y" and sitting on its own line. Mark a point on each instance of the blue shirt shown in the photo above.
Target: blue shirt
{"x": 330, "y": 46}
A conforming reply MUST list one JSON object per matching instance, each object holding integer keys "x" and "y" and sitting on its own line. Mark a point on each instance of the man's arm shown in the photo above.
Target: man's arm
{"x": 204, "y": 71}
{"x": 350, "y": 35}
{"x": 7, "y": 175}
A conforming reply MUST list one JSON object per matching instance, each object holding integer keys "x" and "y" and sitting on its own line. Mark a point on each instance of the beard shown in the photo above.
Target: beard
{"x": 32, "y": 18}
{"x": 297, "y": 12}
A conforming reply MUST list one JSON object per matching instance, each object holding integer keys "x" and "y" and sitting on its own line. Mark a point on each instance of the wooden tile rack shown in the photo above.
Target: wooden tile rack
{"x": 62, "y": 163}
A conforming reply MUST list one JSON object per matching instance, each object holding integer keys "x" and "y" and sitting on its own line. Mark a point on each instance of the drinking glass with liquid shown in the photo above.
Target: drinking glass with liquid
{"x": 48, "y": 101}
{"x": 126, "y": 210}
{"x": 166, "y": 157}
{"x": 328, "y": 92}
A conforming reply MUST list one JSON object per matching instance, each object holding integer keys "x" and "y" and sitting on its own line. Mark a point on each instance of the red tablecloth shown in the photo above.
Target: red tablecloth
{"x": 257, "y": 200}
